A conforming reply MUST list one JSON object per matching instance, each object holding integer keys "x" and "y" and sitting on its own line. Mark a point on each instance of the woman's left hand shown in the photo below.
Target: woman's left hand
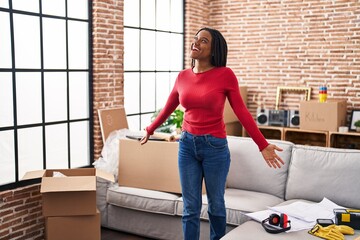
{"x": 270, "y": 156}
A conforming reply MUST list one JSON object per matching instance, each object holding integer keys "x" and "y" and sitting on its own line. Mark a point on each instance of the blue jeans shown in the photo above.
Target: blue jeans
{"x": 205, "y": 157}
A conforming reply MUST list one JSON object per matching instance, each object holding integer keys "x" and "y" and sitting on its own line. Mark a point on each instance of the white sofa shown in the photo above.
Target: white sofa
{"x": 309, "y": 174}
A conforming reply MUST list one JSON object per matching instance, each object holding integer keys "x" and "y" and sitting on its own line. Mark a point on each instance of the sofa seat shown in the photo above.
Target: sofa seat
{"x": 238, "y": 203}
{"x": 142, "y": 199}
{"x": 309, "y": 174}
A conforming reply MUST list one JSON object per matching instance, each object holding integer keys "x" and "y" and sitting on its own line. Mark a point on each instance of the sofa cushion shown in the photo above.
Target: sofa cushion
{"x": 318, "y": 172}
{"x": 249, "y": 171}
{"x": 238, "y": 203}
{"x": 142, "y": 199}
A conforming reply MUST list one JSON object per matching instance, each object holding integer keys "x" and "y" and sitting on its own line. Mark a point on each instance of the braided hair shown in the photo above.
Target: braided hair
{"x": 218, "y": 48}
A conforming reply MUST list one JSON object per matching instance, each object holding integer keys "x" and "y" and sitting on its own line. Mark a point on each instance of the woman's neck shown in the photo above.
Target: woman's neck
{"x": 202, "y": 67}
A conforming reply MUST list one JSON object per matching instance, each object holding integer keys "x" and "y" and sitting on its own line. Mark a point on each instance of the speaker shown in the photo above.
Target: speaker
{"x": 262, "y": 117}
{"x": 294, "y": 120}
{"x": 276, "y": 223}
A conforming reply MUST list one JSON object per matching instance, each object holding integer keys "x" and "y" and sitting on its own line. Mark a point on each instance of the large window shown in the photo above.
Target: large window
{"x": 45, "y": 86}
{"x": 153, "y": 55}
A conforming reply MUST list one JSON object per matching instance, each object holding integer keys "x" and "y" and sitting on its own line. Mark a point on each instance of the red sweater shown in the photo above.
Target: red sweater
{"x": 203, "y": 97}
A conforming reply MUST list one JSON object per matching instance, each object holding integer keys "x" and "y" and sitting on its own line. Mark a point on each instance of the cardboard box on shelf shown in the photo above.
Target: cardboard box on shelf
{"x": 73, "y": 227}
{"x": 72, "y": 194}
{"x": 153, "y": 165}
{"x": 327, "y": 116}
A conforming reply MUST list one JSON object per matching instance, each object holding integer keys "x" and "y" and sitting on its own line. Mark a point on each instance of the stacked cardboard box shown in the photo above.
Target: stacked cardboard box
{"x": 69, "y": 202}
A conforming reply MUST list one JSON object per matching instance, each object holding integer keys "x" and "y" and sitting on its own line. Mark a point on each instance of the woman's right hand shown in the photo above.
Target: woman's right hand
{"x": 145, "y": 139}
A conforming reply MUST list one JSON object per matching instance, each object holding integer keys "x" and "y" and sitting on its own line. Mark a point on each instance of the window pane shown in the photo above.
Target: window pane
{"x": 147, "y": 92}
{"x": 78, "y": 9}
{"x": 30, "y": 150}
{"x": 26, "y": 5}
{"x": 173, "y": 77}
{"x": 79, "y": 95}
{"x": 53, "y": 7}
{"x": 27, "y": 41}
{"x": 55, "y": 91}
{"x": 5, "y": 46}
{"x": 177, "y": 52}
{"x": 145, "y": 120}
{"x": 56, "y": 146}
{"x": 177, "y": 16}
{"x": 78, "y": 45}
{"x": 134, "y": 122}
{"x": 148, "y": 14}
{"x": 163, "y": 51}
{"x": 162, "y": 89}
{"x": 79, "y": 141}
{"x": 4, "y": 3}
{"x": 163, "y": 15}
{"x": 131, "y": 13}
{"x": 131, "y": 92}
{"x": 7, "y": 169}
{"x": 147, "y": 50}
{"x": 6, "y": 100}
{"x": 54, "y": 35}
{"x": 131, "y": 49}
{"x": 28, "y": 102}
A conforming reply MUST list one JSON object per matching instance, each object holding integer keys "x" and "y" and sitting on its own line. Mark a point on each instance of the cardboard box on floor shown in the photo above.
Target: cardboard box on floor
{"x": 72, "y": 195}
{"x": 327, "y": 116}
{"x": 73, "y": 227}
{"x": 232, "y": 124}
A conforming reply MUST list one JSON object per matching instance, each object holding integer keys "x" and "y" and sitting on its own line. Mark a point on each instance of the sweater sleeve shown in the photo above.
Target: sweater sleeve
{"x": 243, "y": 114}
{"x": 171, "y": 104}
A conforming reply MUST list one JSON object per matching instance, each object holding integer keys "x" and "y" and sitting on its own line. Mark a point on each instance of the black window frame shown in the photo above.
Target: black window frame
{"x": 13, "y": 70}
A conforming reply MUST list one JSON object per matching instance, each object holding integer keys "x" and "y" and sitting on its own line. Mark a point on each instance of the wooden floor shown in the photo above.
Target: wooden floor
{"x": 109, "y": 234}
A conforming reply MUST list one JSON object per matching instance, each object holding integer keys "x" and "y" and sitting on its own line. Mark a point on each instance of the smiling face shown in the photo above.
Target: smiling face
{"x": 201, "y": 46}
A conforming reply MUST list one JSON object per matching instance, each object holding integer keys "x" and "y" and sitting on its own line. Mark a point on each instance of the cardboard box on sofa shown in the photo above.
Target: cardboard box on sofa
{"x": 73, "y": 227}
{"x": 327, "y": 116}
{"x": 153, "y": 165}
{"x": 74, "y": 194}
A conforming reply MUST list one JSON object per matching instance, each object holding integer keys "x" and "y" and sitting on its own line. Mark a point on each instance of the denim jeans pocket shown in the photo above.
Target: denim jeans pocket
{"x": 216, "y": 142}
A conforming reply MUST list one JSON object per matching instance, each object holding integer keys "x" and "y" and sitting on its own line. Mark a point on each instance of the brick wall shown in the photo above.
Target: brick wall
{"x": 288, "y": 43}
{"x": 21, "y": 214}
{"x": 108, "y": 49}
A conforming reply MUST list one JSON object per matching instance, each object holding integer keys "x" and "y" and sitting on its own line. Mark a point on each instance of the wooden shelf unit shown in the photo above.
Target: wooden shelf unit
{"x": 269, "y": 132}
{"x": 272, "y": 132}
{"x": 306, "y": 137}
{"x": 349, "y": 140}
